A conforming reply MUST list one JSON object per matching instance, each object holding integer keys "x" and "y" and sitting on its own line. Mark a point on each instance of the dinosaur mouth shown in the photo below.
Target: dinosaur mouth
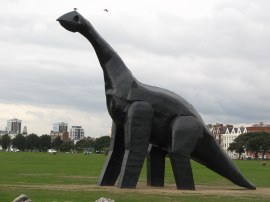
{"x": 70, "y": 26}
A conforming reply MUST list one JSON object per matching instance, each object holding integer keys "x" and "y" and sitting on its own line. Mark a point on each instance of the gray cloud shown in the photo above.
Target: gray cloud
{"x": 215, "y": 54}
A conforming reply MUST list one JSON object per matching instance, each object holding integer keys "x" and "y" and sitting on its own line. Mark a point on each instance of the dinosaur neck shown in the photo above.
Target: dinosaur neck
{"x": 115, "y": 71}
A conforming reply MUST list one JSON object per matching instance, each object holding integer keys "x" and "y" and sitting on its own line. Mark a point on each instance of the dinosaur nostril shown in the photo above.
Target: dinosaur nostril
{"x": 76, "y": 18}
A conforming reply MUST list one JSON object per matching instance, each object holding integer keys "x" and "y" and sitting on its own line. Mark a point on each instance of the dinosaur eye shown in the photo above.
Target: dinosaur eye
{"x": 76, "y": 18}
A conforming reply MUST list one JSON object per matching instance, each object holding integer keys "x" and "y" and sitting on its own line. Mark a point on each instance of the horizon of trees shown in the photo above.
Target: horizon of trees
{"x": 33, "y": 142}
{"x": 255, "y": 142}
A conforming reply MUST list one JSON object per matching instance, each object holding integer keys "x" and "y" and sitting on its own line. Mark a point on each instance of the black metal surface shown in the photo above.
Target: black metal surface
{"x": 144, "y": 114}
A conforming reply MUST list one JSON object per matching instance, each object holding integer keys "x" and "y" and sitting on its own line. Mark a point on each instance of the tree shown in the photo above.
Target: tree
{"x": 102, "y": 143}
{"x": 66, "y": 146}
{"x": 56, "y": 143}
{"x": 85, "y": 143}
{"x": 238, "y": 147}
{"x": 19, "y": 142}
{"x": 44, "y": 142}
{"x": 32, "y": 142}
{"x": 255, "y": 142}
{"x": 259, "y": 142}
{"x": 239, "y": 144}
{"x": 5, "y": 141}
{"x": 266, "y": 145}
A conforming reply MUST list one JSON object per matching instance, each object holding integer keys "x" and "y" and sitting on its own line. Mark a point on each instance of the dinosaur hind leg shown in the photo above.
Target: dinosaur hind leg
{"x": 186, "y": 130}
{"x": 155, "y": 166}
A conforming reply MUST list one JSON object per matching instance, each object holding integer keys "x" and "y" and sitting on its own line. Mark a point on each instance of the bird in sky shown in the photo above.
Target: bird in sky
{"x": 106, "y": 10}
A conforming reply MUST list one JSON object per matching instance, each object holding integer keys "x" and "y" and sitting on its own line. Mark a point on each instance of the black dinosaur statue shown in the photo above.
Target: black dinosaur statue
{"x": 150, "y": 121}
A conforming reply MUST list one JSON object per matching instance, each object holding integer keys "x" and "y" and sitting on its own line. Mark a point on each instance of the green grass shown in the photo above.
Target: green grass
{"x": 37, "y": 174}
{"x": 45, "y": 168}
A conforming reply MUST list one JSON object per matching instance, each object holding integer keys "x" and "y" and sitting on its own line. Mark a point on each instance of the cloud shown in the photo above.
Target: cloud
{"x": 213, "y": 53}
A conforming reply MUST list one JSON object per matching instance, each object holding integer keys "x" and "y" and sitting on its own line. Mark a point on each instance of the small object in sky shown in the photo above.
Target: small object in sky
{"x": 106, "y": 10}
{"x": 75, "y": 9}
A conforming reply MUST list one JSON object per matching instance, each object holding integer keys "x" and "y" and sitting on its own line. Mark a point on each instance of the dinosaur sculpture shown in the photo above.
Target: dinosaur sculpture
{"x": 150, "y": 121}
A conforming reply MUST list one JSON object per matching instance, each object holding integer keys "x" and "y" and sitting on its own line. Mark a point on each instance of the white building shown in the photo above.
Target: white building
{"x": 229, "y": 136}
{"x": 76, "y": 133}
{"x": 225, "y": 135}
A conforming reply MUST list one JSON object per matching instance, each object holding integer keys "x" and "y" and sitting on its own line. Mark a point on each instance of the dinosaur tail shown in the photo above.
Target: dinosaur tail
{"x": 214, "y": 157}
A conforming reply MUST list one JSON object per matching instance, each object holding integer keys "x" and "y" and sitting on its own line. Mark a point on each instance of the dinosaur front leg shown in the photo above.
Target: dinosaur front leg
{"x": 186, "y": 130}
{"x": 137, "y": 133}
{"x": 112, "y": 166}
{"x": 155, "y": 166}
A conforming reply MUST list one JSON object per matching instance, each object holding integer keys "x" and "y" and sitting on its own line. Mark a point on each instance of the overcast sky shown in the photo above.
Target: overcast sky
{"x": 214, "y": 53}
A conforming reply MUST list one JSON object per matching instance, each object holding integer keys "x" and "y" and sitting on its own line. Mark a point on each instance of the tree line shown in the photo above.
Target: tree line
{"x": 33, "y": 142}
{"x": 255, "y": 142}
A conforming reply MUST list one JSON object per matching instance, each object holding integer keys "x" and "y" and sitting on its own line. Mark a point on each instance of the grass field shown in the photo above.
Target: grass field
{"x": 72, "y": 177}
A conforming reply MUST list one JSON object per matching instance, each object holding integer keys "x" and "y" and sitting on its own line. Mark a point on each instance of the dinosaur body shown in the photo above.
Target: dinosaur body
{"x": 144, "y": 115}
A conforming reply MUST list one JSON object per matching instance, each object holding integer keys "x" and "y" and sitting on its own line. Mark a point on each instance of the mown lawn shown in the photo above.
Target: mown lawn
{"x": 72, "y": 177}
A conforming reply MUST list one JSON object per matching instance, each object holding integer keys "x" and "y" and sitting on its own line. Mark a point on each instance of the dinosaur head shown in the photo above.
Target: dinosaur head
{"x": 73, "y": 21}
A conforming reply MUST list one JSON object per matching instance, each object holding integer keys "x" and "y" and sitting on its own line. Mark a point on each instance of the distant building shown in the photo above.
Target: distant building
{"x": 76, "y": 133}
{"x": 60, "y": 127}
{"x": 217, "y": 130}
{"x": 229, "y": 137}
{"x": 24, "y": 132}
{"x": 63, "y": 135}
{"x": 225, "y": 135}
{"x": 60, "y": 130}
{"x": 3, "y": 132}
{"x": 14, "y": 126}
{"x": 261, "y": 127}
